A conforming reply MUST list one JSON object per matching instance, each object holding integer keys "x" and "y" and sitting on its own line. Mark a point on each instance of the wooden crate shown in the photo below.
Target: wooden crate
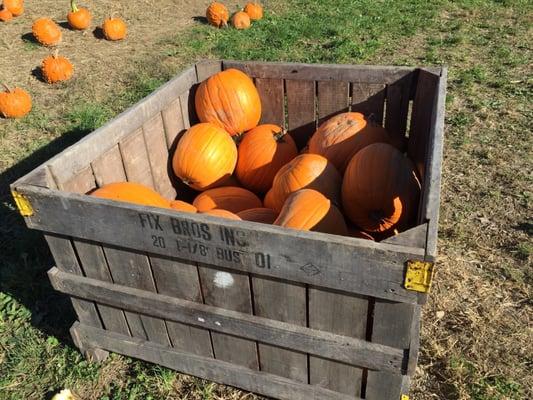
{"x": 287, "y": 314}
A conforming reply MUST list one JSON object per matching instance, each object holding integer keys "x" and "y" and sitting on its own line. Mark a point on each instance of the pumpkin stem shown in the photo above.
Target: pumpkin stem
{"x": 6, "y": 87}
{"x": 224, "y": 24}
{"x": 56, "y": 53}
{"x": 73, "y": 6}
{"x": 279, "y": 135}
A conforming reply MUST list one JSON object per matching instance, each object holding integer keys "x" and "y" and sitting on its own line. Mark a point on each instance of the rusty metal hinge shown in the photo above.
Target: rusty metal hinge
{"x": 419, "y": 276}
{"x": 23, "y": 204}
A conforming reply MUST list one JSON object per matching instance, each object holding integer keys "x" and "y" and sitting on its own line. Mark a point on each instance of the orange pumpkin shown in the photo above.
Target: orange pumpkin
{"x": 343, "y": 135}
{"x": 268, "y": 201}
{"x": 230, "y": 100}
{"x": 56, "y": 68}
{"x": 14, "y": 103}
{"x": 380, "y": 190}
{"x": 306, "y": 171}
{"x": 180, "y": 205}
{"x": 217, "y": 14}
{"x": 262, "y": 152}
{"x": 46, "y": 32}
{"x": 310, "y": 210}
{"x": 16, "y": 7}
{"x": 217, "y": 212}
{"x": 241, "y": 20}
{"x": 5, "y": 14}
{"x": 205, "y": 156}
{"x": 254, "y": 11}
{"x": 114, "y": 29}
{"x": 130, "y": 192}
{"x": 78, "y": 18}
{"x": 230, "y": 198}
{"x": 261, "y": 214}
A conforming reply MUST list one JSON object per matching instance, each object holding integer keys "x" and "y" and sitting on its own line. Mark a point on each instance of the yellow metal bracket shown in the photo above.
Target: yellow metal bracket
{"x": 404, "y": 397}
{"x": 23, "y": 204}
{"x": 419, "y": 276}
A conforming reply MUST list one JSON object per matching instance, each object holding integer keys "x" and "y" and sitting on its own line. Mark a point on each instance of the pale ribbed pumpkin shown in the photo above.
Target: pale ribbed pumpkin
{"x": 230, "y": 100}
{"x": 262, "y": 215}
{"x": 131, "y": 192}
{"x": 217, "y": 212}
{"x": 380, "y": 190}
{"x": 230, "y": 198}
{"x": 309, "y": 210}
{"x": 180, "y": 205}
{"x": 217, "y": 14}
{"x": 262, "y": 152}
{"x": 306, "y": 171}
{"x": 205, "y": 156}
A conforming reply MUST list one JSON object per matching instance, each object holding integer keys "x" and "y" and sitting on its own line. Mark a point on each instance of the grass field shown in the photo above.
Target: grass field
{"x": 477, "y": 341}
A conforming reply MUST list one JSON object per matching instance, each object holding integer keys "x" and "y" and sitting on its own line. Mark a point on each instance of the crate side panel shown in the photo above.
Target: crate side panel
{"x": 272, "y": 101}
{"x": 397, "y": 105}
{"x": 173, "y": 122}
{"x": 301, "y": 110}
{"x": 332, "y": 98}
{"x": 135, "y": 159}
{"x": 369, "y": 99}
{"x": 108, "y": 167}
{"x": 205, "y": 69}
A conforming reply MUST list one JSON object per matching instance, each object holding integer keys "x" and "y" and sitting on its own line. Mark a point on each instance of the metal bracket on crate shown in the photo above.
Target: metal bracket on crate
{"x": 23, "y": 204}
{"x": 419, "y": 276}
{"x": 404, "y": 397}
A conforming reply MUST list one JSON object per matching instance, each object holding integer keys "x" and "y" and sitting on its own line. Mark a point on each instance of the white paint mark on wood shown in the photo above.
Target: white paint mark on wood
{"x": 200, "y": 319}
{"x": 223, "y": 279}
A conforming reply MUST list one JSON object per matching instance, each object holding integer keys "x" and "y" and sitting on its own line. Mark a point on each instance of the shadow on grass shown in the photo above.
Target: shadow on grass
{"x": 201, "y": 19}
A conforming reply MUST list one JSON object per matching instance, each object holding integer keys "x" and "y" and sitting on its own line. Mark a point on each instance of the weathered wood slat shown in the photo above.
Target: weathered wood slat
{"x": 272, "y": 101}
{"x": 187, "y": 108}
{"x": 81, "y": 183}
{"x": 344, "y": 315}
{"x": 230, "y": 291}
{"x": 398, "y": 96}
{"x": 415, "y": 237}
{"x": 173, "y": 122}
{"x": 301, "y": 110}
{"x": 40, "y": 176}
{"x": 332, "y": 99}
{"x": 286, "y": 302}
{"x": 206, "y": 368}
{"x": 135, "y": 159}
{"x": 108, "y": 167}
{"x": 287, "y": 335}
{"x": 205, "y": 69}
{"x": 369, "y": 99}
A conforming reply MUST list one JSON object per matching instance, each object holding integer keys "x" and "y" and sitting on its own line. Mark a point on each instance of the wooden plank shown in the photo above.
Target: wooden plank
{"x": 317, "y": 342}
{"x": 392, "y": 326}
{"x": 206, "y": 368}
{"x": 73, "y": 159}
{"x": 320, "y": 72}
{"x": 187, "y": 107}
{"x": 108, "y": 167}
{"x": 398, "y": 96}
{"x": 158, "y": 156}
{"x": 332, "y": 99}
{"x": 351, "y": 265}
{"x": 281, "y": 301}
{"x": 173, "y": 122}
{"x": 40, "y": 176}
{"x": 179, "y": 279}
{"x": 230, "y": 291}
{"x": 341, "y": 314}
{"x": 414, "y": 237}
{"x": 369, "y": 99}
{"x": 81, "y": 183}
{"x": 205, "y": 69}
{"x": 135, "y": 159}
{"x": 272, "y": 101}
{"x": 301, "y": 109}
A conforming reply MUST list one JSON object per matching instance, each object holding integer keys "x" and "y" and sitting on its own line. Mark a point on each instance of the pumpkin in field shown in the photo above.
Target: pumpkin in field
{"x": 46, "y": 32}
{"x": 230, "y": 198}
{"x": 260, "y": 214}
{"x": 14, "y": 103}
{"x": 130, "y": 192}
{"x": 230, "y": 100}
{"x": 205, "y": 156}
{"x": 262, "y": 152}
{"x": 217, "y": 14}
{"x": 254, "y": 11}
{"x": 343, "y": 135}
{"x": 306, "y": 171}
{"x": 217, "y": 212}
{"x": 241, "y": 20}
{"x": 16, "y": 7}
{"x": 56, "y": 68}
{"x": 114, "y": 29}
{"x": 380, "y": 190}
{"x": 79, "y": 17}
{"x": 5, "y": 14}
{"x": 309, "y": 210}
{"x": 180, "y": 205}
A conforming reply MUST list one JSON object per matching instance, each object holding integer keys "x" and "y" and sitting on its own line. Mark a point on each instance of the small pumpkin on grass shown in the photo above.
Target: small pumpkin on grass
{"x": 217, "y": 212}
{"x": 131, "y": 192}
{"x": 205, "y": 156}
{"x": 46, "y": 32}
{"x": 5, "y": 14}
{"x": 262, "y": 152}
{"x": 14, "y": 103}
{"x": 16, "y": 7}
{"x": 254, "y": 11}
{"x": 241, "y": 20}
{"x": 114, "y": 28}
{"x": 261, "y": 214}
{"x": 217, "y": 14}
{"x": 56, "y": 68}
{"x": 79, "y": 17}
{"x": 230, "y": 198}
{"x": 180, "y": 205}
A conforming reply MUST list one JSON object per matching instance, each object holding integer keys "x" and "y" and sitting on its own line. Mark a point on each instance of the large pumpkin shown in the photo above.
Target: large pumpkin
{"x": 180, "y": 205}
{"x": 217, "y": 14}
{"x": 230, "y": 100}
{"x": 131, "y": 192}
{"x": 261, "y": 214}
{"x": 217, "y": 212}
{"x": 205, "y": 156}
{"x": 306, "y": 171}
{"x": 380, "y": 190}
{"x": 46, "y": 32}
{"x": 230, "y": 198}
{"x": 262, "y": 152}
{"x": 310, "y": 210}
{"x": 14, "y": 103}
{"x": 343, "y": 135}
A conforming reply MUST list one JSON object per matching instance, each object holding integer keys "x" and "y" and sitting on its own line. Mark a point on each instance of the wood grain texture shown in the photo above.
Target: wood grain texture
{"x": 206, "y": 368}
{"x": 369, "y": 99}
{"x": 135, "y": 159}
{"x": 332, "y": 99}
{"x": 204, "y": 69}
{"x": 398, "y": 96}
{"x": 301, "y": 110}
{"x": 81, "y": 183}
{"x": 272, "y": 101}
{"x": 414, "y": 237}
{"x": 173, "y": 122}
{"x": 108, "y": 167}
